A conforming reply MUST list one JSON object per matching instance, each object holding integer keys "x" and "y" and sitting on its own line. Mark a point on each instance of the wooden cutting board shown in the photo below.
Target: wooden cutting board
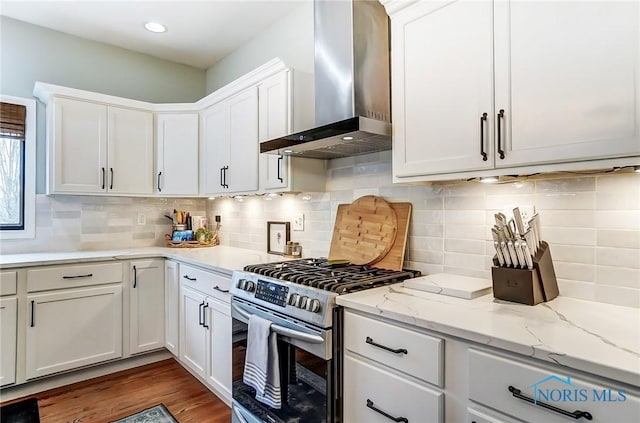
{"x": 394, "y": 259}
{"x": 364, "y": 230}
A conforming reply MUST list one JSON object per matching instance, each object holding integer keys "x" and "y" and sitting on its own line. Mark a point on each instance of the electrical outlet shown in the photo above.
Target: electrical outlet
{"x": 298, "y": 222}
{"x": 142, "y": 219}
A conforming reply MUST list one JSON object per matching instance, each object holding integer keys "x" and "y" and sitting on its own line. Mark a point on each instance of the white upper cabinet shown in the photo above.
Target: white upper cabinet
{"x": 557, "y": 81}
{"x": 442, "y": 61}
{"x": 177, "y": 153}
{"x": 230, "y": 144}
{"x": 567, "y": 76}
{"x": 97, "y": 148}
{"x": 77, "y": 146}
{"x": 275, "y": 121}
{"x": 130, "y": 151}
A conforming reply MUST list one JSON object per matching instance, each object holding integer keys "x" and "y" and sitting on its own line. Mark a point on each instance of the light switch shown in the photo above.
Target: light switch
{"x": 298, "y": 222}
{"x": 142, "y": 219}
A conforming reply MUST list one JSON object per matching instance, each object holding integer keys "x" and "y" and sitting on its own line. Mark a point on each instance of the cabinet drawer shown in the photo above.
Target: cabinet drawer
{"x": 8, "y": 283}
{"x": 490, "y": 377}
{"x": 365, "y": 384}
{"x": 73, "y": 276}
{"x": 475, "y": 416}
{"x": 209, "y": 283}
{"x": 422, "y": 356}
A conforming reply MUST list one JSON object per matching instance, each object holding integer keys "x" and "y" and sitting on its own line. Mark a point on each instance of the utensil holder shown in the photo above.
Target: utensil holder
{"x": 527, "y": 286}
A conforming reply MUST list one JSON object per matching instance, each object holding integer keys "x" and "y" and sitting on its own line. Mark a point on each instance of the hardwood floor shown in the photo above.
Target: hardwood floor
{"x": 118, "y": 395}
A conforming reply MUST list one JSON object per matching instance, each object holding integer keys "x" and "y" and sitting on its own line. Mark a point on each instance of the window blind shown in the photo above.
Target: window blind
{"x": 12, "y": 120}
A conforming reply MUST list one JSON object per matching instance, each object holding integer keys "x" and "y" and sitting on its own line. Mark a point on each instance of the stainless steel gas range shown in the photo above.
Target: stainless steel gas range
{"x": 299, "y": 299}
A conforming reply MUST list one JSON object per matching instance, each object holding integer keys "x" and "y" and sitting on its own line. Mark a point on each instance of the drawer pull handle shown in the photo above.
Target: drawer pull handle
{"x": 575, "y": 415}
{"x": 33, "y": 313}
{"x": 200, "y": 314}
{"x": 396, "y": 351}
{"x": 190, "y": 279}
{"x": 217, "y": 288}
{"x": 135, "y": 276}
{"x": 387, "y": 415}
{"x": 88, "y": 275}
{"x": 500, "y": 118}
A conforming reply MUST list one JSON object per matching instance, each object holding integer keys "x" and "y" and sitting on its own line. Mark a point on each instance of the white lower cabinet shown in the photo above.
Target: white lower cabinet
{"x": 219, "y": 370}
{"x": 205, "y": 327}
{"x": 193, "y": 334}
{"x": 71, "y": 328}
{"x": 511, "y": 386}
{"x": 172, "y": 307}
{"x": 146, "y": 305}
{"x": 375, "y": 395}
{"x": 8, "y": 326}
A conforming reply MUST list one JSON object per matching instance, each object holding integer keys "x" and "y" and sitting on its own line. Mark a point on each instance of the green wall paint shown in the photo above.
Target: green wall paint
{"x": 30, "y": 53}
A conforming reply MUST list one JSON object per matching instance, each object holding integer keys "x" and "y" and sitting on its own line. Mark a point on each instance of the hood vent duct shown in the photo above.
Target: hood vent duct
{"x": 352, "y": 84}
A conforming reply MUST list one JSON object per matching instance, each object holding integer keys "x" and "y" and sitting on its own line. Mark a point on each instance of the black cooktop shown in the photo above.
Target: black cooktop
{"x": 323, "y": 274}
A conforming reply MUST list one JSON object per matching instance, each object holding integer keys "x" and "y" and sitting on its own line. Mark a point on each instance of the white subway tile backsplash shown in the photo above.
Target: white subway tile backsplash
{"x": 617, "y": 219}
{"x": 618, "y": 201}
{"x": 566, "y": 185}
{"x": 573, "y": 253}
{"x": 568, "y": 236}
{"x": 618, "y": 295}
{"x": 565, "y": 201}
{"x": 623, "y": 257}
{"x": 464, "y": 246}
{"x": 576, "y": 289}
{"x": 618, "y": 276}
{"x": 619, "y": 238}
{"x": 568, "y": 218}
{"x": 618, "y": 182}
{"x": 574, "y": 271}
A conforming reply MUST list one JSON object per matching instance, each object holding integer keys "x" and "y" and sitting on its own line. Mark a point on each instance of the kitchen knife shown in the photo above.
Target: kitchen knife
{"x": 517, "y": 217}
{"x": 520, "y": 251}
{"x": 512, "y": 253}
{"x": 529, "y": 237}
{"x": 496, "y": 244}
{"x": 527, "y": 255}
{"x": 505, "y": 253}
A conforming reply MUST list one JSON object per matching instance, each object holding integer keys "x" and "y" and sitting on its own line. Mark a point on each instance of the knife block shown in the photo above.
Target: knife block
{"x": 526, "y": 286}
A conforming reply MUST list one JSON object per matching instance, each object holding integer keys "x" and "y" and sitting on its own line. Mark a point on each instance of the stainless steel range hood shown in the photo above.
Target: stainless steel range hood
{"x": 352, "y": 84}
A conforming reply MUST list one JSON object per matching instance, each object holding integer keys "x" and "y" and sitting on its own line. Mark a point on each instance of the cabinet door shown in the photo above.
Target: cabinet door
{"x": 72, "y": 328}
{"x": 274, "y": 118}
{"x": 130, "y": 147}
{"x": 193, "y": 335}
{"x": 219, "y": 370}
{"x": 8, "y": 325}
{"x": 242, "y": 174}
{"x": 567, "y": 78}
{"x": 172, "y": 307}
{"x": 146, "y": 305}
{"x": 77, "y": 146}
{"x": 442, "y": 85}
{"x": 215, "y": 148}
{"x": 177, "y": 152}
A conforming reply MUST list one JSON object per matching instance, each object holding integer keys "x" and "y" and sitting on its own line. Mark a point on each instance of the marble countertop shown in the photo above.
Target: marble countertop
{"x": 219, "y": 258}
{"x": 597, "y": 338}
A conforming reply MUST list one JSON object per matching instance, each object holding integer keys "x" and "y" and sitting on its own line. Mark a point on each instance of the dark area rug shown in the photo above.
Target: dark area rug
{"x": 20, "y": 412}
{"x": 155, "y": 414}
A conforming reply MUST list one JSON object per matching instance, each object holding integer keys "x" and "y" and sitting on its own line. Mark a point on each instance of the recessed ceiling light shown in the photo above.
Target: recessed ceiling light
{"x": 288, "y": 151}
{"x": 155, "y": 27}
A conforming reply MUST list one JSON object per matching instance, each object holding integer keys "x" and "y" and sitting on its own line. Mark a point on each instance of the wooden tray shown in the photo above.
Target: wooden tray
{"x": 394, "y": 259}
{"x": 190, "y": 244}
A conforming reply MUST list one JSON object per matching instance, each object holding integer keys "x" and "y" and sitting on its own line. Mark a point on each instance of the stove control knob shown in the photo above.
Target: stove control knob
{"x": 293, "y": 299}
{"x": 251, "y": 286}
{"x": 303, "y": 302}
{"x": 242, "y": 283}
{"x": 313, "y": 305}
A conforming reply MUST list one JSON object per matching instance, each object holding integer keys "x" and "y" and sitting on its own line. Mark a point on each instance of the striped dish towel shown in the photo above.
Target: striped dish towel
{"x": 261, "y": 364}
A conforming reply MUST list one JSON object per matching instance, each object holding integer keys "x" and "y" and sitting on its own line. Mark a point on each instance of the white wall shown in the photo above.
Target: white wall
{"x": 29, "y": 53}
{"x": 592, "y": 223}
{"x": 290, "y": 39}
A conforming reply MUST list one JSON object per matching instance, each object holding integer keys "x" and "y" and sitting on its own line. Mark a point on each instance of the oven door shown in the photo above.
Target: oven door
{"x": 307, "y": 370}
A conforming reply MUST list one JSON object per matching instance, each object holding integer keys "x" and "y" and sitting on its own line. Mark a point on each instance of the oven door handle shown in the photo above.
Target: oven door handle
{"x": 281, "y": 330}
{"x": 238, "y": 414}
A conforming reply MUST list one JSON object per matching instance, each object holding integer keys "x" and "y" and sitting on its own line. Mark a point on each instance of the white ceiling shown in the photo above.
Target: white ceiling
{"x": 199, "y": 32}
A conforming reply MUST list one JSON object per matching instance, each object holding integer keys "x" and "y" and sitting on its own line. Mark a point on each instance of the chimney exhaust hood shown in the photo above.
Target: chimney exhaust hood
{"x": 352, "y": 84}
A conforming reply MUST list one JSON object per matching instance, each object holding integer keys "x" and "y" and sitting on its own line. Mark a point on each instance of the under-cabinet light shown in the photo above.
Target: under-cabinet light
{"x": 155, "y": 27}
{"x": 489, "y": 179}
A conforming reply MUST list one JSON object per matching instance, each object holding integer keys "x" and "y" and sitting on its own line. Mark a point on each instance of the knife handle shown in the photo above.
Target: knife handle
{"x": 518, "y": 246}
{"x": 499, "y": 253}
{"x": 505, "y": 253}
{"x": 512, "y": 252}
{"x": 527, "y": 255}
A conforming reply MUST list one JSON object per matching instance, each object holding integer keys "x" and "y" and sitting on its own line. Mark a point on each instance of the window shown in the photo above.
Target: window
{"x": 17, "y": 167}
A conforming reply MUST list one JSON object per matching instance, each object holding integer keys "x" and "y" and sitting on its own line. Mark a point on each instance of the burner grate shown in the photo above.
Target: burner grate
{"x": 319, "y": 273}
